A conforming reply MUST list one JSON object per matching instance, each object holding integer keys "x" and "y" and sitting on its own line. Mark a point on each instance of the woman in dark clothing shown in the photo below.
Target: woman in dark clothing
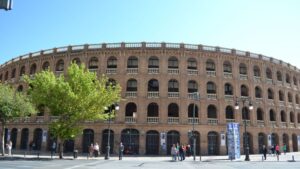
{"x": 264, "y": 150}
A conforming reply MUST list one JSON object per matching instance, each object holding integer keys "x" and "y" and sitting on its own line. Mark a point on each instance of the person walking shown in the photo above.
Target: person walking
{"x": 96, "y": 150}
{"x": 121, "y": 150}
{"x": 91, "y": 150}
{"x": 53, "y": 148}
{"x": 264, "y": 150}
{"x": 284, "y": 148}
{"x": 174, "y": 152}
{"x": 277, "y": 151}
{"x": 9, "y": 147}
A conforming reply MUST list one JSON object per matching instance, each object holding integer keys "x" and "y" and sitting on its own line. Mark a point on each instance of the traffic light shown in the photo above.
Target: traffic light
{"x": 6, "y": 4}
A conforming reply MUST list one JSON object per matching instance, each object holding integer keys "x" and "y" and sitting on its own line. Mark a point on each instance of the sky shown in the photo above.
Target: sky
{"x": 268, "y": 27}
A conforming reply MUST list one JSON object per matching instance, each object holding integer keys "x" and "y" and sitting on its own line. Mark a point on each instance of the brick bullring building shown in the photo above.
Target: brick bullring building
{"x": 159, "y": 82}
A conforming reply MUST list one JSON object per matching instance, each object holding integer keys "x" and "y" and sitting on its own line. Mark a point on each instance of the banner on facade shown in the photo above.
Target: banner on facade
{"x": 44, "y": 135}
{"x": 233, "y": 140}
{"x": 163, "y": 141}
{"x": 299, "y": 140}
{"x": 223, "y": 140}
{"x": 269, "y": 140}
{"x": 8, "y": 135}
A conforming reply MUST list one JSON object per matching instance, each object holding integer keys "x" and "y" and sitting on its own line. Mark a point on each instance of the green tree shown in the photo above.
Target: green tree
{"x": 75, "y": 98}
{"x": 12, "y": 104}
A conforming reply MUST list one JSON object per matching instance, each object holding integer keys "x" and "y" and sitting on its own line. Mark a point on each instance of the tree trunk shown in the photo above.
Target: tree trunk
{"x": 2, "y": 138}
{"x": 61, "y": 149}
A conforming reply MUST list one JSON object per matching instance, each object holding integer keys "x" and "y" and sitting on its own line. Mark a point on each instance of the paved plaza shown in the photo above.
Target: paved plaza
{"x": 207, "y": 162}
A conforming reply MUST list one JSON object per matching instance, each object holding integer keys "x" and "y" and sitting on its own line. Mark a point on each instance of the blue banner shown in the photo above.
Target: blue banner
{"x": 233, "y": 140}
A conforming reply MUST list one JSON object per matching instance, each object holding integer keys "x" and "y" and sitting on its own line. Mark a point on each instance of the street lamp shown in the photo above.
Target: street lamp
{"x": 246, "y": 144}
{"x": 196, "y": 98}
{"x": 116, "y": 107}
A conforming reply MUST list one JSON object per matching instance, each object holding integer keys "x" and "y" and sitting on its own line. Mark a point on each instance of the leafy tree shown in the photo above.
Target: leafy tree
{"x": 12, "y": 104}
{"x": 74, "y": 99}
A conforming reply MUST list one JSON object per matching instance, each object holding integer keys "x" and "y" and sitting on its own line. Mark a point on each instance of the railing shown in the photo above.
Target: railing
{"x": 153, "y": 70}
{"x": 271, "y": 102}
{"x": 111, "y": 71}
{"x": 39, "y": 119}
{"x": 279, "y": 83}
{"x": 93, "y": 70}
{"x": 192, "y": 96}
{"x": 273, "y": 124}
{"x": 130, "y": 119}
{"x": 173, "y": 120}
{"x": 292, "y": 125}
{"x": 140, "y": 45}
{"x": 211, "y": 73}
{"x": 269, "y": 81}
{"x": 258, "y": 100}
{"x": 153, "y": 94}
{"x": 228, "y": 97}
{"x": 192, "y": 72}
{"x": 173, "y": 71}
{"x": 173, "y": 94}
{"x": 227, "y": 75}
{"x": 26, "y": 119}
{"x": 58, "y": 73}
{"x": 281, "y": 103}
{"x": 230, "y": 120}
{"x": 283, "y": 124}
{"x": 260, "y": 123}
{"x": 257, "y": 79}
{"x": 192, "y": 120}
{"x": 131, "y": 94}
{"x": 247, "y": 122}
{"x": 297, "y": 106}
{"x": 152, "y": 119}
{"x": 132, "y": 70}
{"x": 243, "y": 77}
{"x": 211, "y": 121}
{"x": 54, "y": 118}
{"x": 212, "y": 96}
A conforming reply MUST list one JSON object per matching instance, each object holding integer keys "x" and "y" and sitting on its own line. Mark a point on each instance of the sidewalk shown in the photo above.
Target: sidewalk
{"x": 253, "y": 158}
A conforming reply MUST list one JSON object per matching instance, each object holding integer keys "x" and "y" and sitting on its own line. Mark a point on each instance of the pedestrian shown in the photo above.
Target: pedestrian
{"x": 121, "y": 150}
{"x": 9, "y": 147}
{"x": 53, "y": 148}
{"x": 96, "y": 150}
{"x": 91, "y": 150}
{"x": 264, "y": 150}
{"x": 277, "y": 151}
{"x": 174, "y": 152}
{"x": 284, "y": 148}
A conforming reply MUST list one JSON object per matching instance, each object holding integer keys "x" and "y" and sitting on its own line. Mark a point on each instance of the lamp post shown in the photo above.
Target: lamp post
{"x": 246, "y": 144}
{"x": 116, "y": 107}
{"x": 196, "y": 98}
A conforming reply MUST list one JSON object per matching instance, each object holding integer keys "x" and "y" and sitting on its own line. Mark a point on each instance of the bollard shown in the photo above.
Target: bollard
{"x": 277, "y": 157}
{"x": 38, "y": 155}
{"x": 200, "y": 157}
{"x": 24, "y": 154}
{"x": 262, "y": 158}
{"x": 293, "y": 158}
{"x": 230, "y": 158}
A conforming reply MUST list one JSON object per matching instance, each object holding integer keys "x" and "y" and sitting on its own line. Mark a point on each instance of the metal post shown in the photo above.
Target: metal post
{"x": 108, "y": 138}
{"x": 246, "y": 146}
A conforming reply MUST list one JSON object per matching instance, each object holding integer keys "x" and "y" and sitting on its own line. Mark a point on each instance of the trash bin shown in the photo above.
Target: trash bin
{"x": 75, "y": 153}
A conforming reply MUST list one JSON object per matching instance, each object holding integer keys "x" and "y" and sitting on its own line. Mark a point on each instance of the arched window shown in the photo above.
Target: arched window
{"x": 243, "y": 69}
{"x": 292, "y": 117}
{"x": 173, "y": 110}
{"x": 246, "y": 113}
{"x": 93, "y": 63}
{"x": 32, "y": 69}
{"x": 287, "y": 78}
{"x": 105, "y": 139}
{"x": 132, "y": 62}
{"x": 173, "y": 63}
{"x": 229, "y": 112}
{"x": 279, "y": 76}
{"x": 130, "y": 109}
{"x": 297, "y": 98}
{"x": 269, "y": 73}
{"x": 37, "y": 138}
{"x": 173, "y": 86}
{"x": 6, "y": 76}
{"x": 256, "y": 71}
{"x": 77, "y": 61}
{"x": 152, "y": 142}
{"x": 258, "y": 92}
{"x": 228, "y": 89}
{"x": 212, "y": 111}
{"x": 192, "y": 86}
{"x": 192, "y": 64}
{"x": 130, "y": 139}
{"x": 191, "y": 109}
{"x": 244, "y": 91}
{"x": 59, "y": 65}
{"x": 212, "y": 143}
{"x": 227, "y": 68}
{"x": 13, "y": 73}
{"x": 153, "y": 85}
{"x": 22, "y": 71}
{"x": 153, "y": 62}
{"x": 210, "y": 65}
{"x": 281, "y": 95}
{"x": 152, "y": 110}
{"x": 1, "y": 76}
{"x": 290, "y": 97}
{"x": 131, "y": 85}
{"x": 112, "y": 62}
{"x": 270, "y": 94}
{"x": 282, "y": 116}
{"x": 272, "y": 115}
{"x": 295, "y": 81}
{"x": 87, "y": 139}
{"x": 259, "y": 114}
{"x": 211, "y": 88}
{"x": 298, "y": 118}
{"x": 111, "y": 82}
{"x": 46, "y": 65}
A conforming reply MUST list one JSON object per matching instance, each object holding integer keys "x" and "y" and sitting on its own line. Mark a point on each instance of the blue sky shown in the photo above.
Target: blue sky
{"x": 268, "y": 27}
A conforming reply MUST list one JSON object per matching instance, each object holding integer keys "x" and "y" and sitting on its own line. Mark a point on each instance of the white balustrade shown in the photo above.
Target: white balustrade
{"x": 153, "y": 95}
{"x": 173, "y": 71}
{"x": 153, "y": 70}
{"x": 111, "y": 71}
{"x": 211, "y": 73}
{"x": 130, "y": 119}
{"x": 173, "y": 94}
{"x": 173, "y": 120}
{"x": 192, "y": 120}
{"x": 131, "y": 94}
{"x": 132, "y": 70}
{"x": 192, "y": 72}
{"x": 152, "y": 119}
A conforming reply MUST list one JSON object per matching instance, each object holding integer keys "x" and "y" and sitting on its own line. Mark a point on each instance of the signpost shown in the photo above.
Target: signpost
{"x": 233, "y": 140}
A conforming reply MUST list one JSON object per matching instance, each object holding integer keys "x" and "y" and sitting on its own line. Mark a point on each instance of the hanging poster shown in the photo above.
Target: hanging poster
{"x": 299, "y": 140}
{"x": 233, "y": 141}
{"x": 269, "y": 140}
{"x": 44, "y": 135}
{"x": 223, "y": 141}
{"x": 8, "y": 135}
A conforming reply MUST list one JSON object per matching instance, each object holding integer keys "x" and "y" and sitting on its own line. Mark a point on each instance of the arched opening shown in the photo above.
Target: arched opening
{"x": 22, "y": 71}
{"x": 191, "y": 109}
{"x": 77, "y": 61}
{"x": 274, "y": 139}
{"x": 282, "y": 116}
{"x": 152, "y": 110}
{"x": 153, "y": 85}
{"x": 249, "y": 142}
{"x": 105, "y": 139}
{"x": 281, "y": 96}
{"x": 112, "y": 62}
{"x": 272, "y": 115}
{"x": 173, "y": 110}
{"x": 213, "y": 144}
{"x": 285, "y": 141}
{"x": 279, "y": 76}
{"x": 292, "y": 117}
{"x": 243, "y": 69}
{"x": 24, "y": 138}
{"x": 46, "y": 66}
{"x": 87, "y": 139}
{"x": 212, "y": 111}
{"x": 152, "y": 142}
{"x": 227, "y": 68}
{"x": 173, "y": 86}
{"x": 269, "y": 73}
{"x": 228, "y": 89}
{"x": 244, "y": 91}
{"x": 131, "y": 85}
{"x": 259, "y": 114}
{"x": 130, "y": 140}
{"x": 196, "y": 134}
{"x": 173, "y": 63}
{"x": 295, "y": 143}
{"x": 132, "y": 62}
{"x": 229, "y": 112}
{"x": 69, "y": 146}
{"x": 173, "y": 137}
{"x": 37, "y": 139}
{"x": 153, "y": 62}
{"x": 270, "y": 94}
{"x": 290, "y": 97}
{"x": 258, "y": 92}
{"x": 245, "y": 113}
{"x": 256, "y": 71}
{"x": 60, "y": 65}
{"x": 192, "y": 86}
{"x": 287, "y": 78}
{"x": 93, "y": 63}
{"x": 192, "y": 64}
{"x": 131, "y": 108}
{"x": 211, "y": 88}
{"x": 262, "y": 141}
{"x": 13, "y": 137}
{"x": 210, "y": 65}
{"x": 13, "y": 73}
{"x": 32, "y": 69}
